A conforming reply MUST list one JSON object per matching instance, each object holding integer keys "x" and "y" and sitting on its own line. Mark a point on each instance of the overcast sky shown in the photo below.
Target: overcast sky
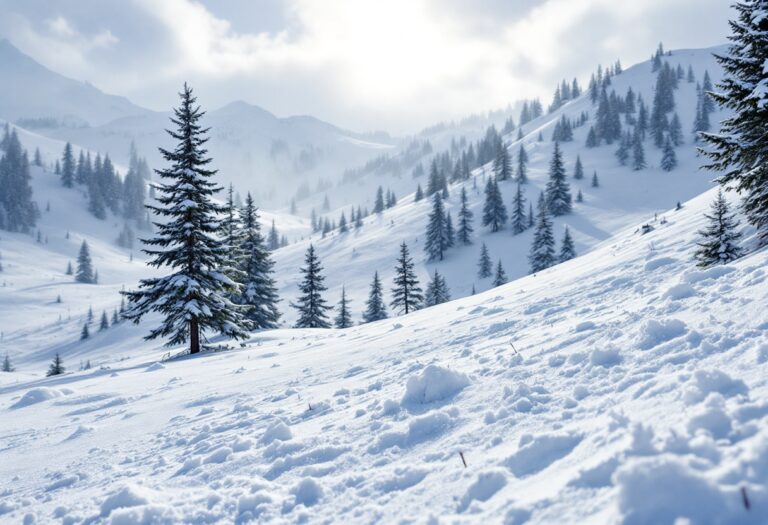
{"x": 396, "y": 65}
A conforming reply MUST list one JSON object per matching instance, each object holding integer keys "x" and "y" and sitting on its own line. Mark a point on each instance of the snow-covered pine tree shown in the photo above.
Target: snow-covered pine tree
{"x": 592, "y": 141}
{"x": 638, "y": 151}
{"x": 419, "y": 194}
{"x": 375, "y": 309}
{"x": 500, "y": 277}
{"x": 434, "y": 184}
{"x": 542, "y": 254}
{"x": 343, "y": 317}
{"x": 85, "y": 333}
{"x": 740, "y": 149}
{"x": 437, "y": 291}
{"x": 273, "y": 240}
{"x": 378, "y": 206}
{"x": 56, "y": 367}
{"x": 310, "y": 304}
{"x": 450, "y": 234}
{"x": 579, "y": 196}
{"x": 104, "y": 322}
{"x": 578, "y": 170}
{"x": 502, "y": 167}
{"x": 68, "y": 166}
{"x": 558, "y": 193}
{"x": 115, "y": 318}
{"x": 258, "y": 292}
{"x": 18, "y": 212}
{"x": 484, "y": 265}
{"x": 193, "y": 298}
{"x": 668, "y": 156}
{"x": 437, "y": 230}
{"x": 84, "y": 272}
{"x": 595, "y": 181}
{"x": 229, "y": 228}
{"x": 359, "y": 219}
{"x": 519, "y": 220}
{"x": 676, "y": 130}
{"x": 7, "y": 366}
{"x": 567, "y": 249}
{"x": 464, "y": 234}
{"x": 343, "y": 223}
{"x": 406, "y": 294}
{"x": 622, "y": 153}
{"x": 522, "y": 165}
{"x": 719, "y": 240}
{"x": 494, "y": 211}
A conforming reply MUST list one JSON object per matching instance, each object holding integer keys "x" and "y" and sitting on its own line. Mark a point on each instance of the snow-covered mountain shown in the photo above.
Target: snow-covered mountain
{"x": 256, "y": 150}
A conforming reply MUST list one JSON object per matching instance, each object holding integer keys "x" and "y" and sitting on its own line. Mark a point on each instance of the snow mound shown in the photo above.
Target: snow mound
{"x": 277, "y": 431}
{"x": 155, "y": 366}
{"x": 605, "y": 358}
{"x": 308, "y": 492}
{"x": 654, "y": 332}
{"x": 679, "y": 291}
{"x": 541, "y": 452}
{"x": 705, "y": 382}
{"x": 485, "y": 486}
{"x": 38, "y": 395}
{"x": 435, "y": 383}
{"x": 128, "y": 496}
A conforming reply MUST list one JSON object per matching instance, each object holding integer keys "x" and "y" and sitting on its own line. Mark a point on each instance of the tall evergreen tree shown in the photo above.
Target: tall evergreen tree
{"x": 638, "y": 152}
{"x": 343, "y": 317}
{"x": 501, "y": 276}
{"x": 450, "y": 234}
{"x": 719, "y": 240}
{"x": 406, "y": 294}
{"x": 134, "y": 191}
{"x": 85, "y": 333}
{"x": 419, "y": 194}
{"x": 502, "y": 166}
{"x": 273, "y": 240}
{"x": 558, "y": 193}
{"x": 104, "y": 322}
{"x": 378, "y": 206}
{"x": 578, "y": 170}
{"x": 676, "y": 130}
{"x": 740, "y": 149}
{"x": 522, "y": 165}
{"x": 595, "y": 181}
{"x": 193, "y": 298}
{"x": 375, "y": 309}
{"x": 437, "y": 291}
{"x": 258, "y": 295}
{"x": 567, "y": 249}
{"x": 18, "y": 212}
{"x": 668, "y": 156}
{"x": 311, "y": 305}
{"x": 56, "y": 367}
{"x": 484, "y": 264}
{"x": 494, "y": 211}
{"x": 84, "y": 273}
{"x": 519, "y": 220}
{"x": 434, "y": 184}
{"x": 465, "y": 220}
{"x": 437, "y": 230}
{"x": 542, "y": 254}
{"x": 68, "y": 166}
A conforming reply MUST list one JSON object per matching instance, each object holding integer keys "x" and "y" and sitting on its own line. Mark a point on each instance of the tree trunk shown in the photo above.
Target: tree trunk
{"x": 194, "y": 337}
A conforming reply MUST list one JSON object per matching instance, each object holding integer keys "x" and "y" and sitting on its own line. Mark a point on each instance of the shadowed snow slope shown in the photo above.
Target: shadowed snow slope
{"x": 620, "y": 402}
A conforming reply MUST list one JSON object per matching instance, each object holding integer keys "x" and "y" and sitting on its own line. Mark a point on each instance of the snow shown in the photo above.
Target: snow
{"x": 615, "y": 403}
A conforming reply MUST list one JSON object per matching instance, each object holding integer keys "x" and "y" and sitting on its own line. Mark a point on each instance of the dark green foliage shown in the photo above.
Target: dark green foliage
{"x": 343, "y": 317}
{"x": 406, "y": 294}
{"x": 558, "y": 193}
{"x": 56, "y": 367}
{"x": 484, "y": 264}
{"x": 718, "y": 244}
{"x": 437, "y": 291}
{"x": 311, "y": 306}
{"x": 375, "y": 309}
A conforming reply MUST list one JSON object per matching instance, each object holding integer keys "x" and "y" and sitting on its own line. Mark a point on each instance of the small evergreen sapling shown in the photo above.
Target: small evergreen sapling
{"x": 406, "y": 294}
{"x": 56, "y": 367}
{"x": 375, "y": 310}
{"x": 437, "y": 291}
{"x": 718, "y": 241}
{"x": 501, "y": 276}
{"x": 343, "y": 317}
{"x": 484, "y": 265}
{"x": 567, "y": 249}
{"x": 311, "y": 306}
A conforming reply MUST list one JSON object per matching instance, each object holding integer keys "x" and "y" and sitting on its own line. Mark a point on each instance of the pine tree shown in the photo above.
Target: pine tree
{"x": 592, "y": 141}
{"x": 273, "y": 240}
{"x": 359, "y": 219}
{"x": 84, "y": 272}
{"x": 740, "y": 149}
{"x": 434, "y": 183}
{"x": 718, "y": 244}
{"x": 595, "y": 182}
{"x": 343, "y": 223}
{"x": 558, "y": 193}
{"x": 375, "y": 310}
{"x": 104, "y": 323}
{"x": 343, "y": 318}
{"x": 484, "y": 265}
{"x": 419, "y": 194}
{"x": 519, "y": 220}
{"x": 668, "y": 157}
{"x": 465, "y": 220}
{"x": 378, "y": 206}
{"x": 85, "y": 332}
{"x": 500, "y": 277}
{"x": 450, "y": 234}
{"x": 437, "y": 230}
{"x": 494, "y": 211}
{"x": 56, "y": 367}
{"x": 7, "y": 366}
{"x": 229, "y": 228}
{"x": 193, "y": 299}
{"x": 676, "y": 131}
{"x": 68, "y": 167}
{"x": 579, "y": 196}
{"x": 311, "y": 305}
{"x": 437, "y": 291}
{"x": 542, "y": 253}
{"x": 522, "y": 165}
{"x": 258, "y": 296}
{"x": 567, "y": 249}
{"x": 406, "y": 294}
{"x": 18, "y": 212}
{"x": 115, "y": 318}
{"x": 638, "y": 152}
{"x": 69, "y": 268}
{"x": 578, "y": 171}
{"x": 502, "y": 167}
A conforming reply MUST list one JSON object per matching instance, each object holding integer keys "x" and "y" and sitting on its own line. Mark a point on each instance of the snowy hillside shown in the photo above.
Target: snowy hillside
{"x": 572, "y": 396}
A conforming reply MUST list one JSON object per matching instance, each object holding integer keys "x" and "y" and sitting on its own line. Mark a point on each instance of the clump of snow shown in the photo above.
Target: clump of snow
{"x": 420, "y": 429}
{"x": 584, "y": 326}
{"x": 307, "y": 492}
{"x": 128, "y": 496}
{"x": 81, "y": 430}
{"x": 277, "y": 431}
{"x": 220, "y": 455}
{"x": 679, "y": 291}
{"x": 155, "y": 366}
{"x": 485, "y": 486}
{"x": 38, "y": 395}
{"x": 435, "y": 383}
{"x": 540, "y": 452}
{"x": 705, "y": 382}
{"x": 654, "y": 332}
{"x": 711, "y": 418}
{"x": 605, "y": 357}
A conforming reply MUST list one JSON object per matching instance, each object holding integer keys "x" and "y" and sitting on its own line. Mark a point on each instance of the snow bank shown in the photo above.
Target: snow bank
{"x": 541, "y": 452}
{"x": 128, "y": 496}
{"x": 705, "y": 382}
{"x": 308, "y": 492}
{"x": 38, "y": 395}
{"x": 277, "y": 431}
{"x": 485, "y": 486}
{"x": 435, "y": 383}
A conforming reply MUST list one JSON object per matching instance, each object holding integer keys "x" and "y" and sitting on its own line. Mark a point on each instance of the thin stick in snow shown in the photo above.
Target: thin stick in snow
{"x": 745, "y": 498}
{"x": 464, "y": 461}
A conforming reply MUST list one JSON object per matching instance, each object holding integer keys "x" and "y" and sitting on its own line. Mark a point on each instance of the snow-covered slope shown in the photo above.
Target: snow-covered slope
{"x": 623, "y": 386}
